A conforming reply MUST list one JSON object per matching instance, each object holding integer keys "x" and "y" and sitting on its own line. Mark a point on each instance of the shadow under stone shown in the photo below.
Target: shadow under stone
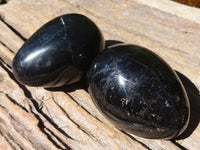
{"x": 3, "y": 2}
{"x": 194, "y": 99}
{"x": 82, "y": 84}
{"x": 109, "y": 43}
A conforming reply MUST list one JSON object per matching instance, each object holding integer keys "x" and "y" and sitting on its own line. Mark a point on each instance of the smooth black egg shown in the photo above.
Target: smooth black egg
{"x": 58, "y": 53}
{"x": 139, "y": 92}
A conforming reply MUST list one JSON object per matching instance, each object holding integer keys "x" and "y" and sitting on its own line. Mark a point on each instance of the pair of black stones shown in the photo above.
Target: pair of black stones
{"x": 130, "y": 85}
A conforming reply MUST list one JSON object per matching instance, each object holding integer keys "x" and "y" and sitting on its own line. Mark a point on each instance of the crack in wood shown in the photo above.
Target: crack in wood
{"x": 178, "y": 145}
{"x": 82, "y": 107}
{"x": 42, "y": 128}
{"x": 14, "y": 102}
{"x": 7, "y": 140}
{"x": 12, "y": 28}
{"x": 78, "y": 126}
{"x": 63, "y": 143}
{"x": 5, "y": 63}
{"x": 14, "y": 144}
{"x": 148, "y": 148}
{"x": 6, "y": 47}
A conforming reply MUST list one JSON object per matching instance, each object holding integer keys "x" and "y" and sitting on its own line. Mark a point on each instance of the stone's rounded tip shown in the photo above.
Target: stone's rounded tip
{"x": 58, "y": 53}
{"x": 139, "y": 92}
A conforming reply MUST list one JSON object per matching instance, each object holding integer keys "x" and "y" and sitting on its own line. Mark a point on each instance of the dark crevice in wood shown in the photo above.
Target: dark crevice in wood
{"x": 135, "y": 139}
{"x": 66, "y": 146}
{"x": 92, "y": 137}
{"x": 1, "y": 134}
{"x": 28, "y": 94}
{"x": 42, "y": 128}
{"x": 78, "y": 126}
{"x": 6, "y": 47}
{"x": 3, "y": 62}
{"x": 2, "y": 107}
{"x": 179, "y": 145}
{"x": 11, "y": 99}
{"x": 14, "y": 102}
{"x": 83, "y": 108}
{"x": 13, "y": 29}
{"x": 15, "y": 124}
{"x": 14, "y": 141}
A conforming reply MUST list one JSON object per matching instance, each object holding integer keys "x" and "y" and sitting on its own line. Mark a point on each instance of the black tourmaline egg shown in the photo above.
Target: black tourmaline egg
{"x": 59, "y": 52}
{"x": 139, "y": 92}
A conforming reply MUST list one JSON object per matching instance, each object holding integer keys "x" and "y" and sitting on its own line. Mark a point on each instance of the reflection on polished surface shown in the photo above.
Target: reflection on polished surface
{"x": 122, "y": 80}
{"x": 139, "y": 92}
{"x": 35, "y": 55}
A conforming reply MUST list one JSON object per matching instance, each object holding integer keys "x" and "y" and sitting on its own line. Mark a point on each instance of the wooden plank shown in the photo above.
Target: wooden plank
{"x": 172, "y": 37}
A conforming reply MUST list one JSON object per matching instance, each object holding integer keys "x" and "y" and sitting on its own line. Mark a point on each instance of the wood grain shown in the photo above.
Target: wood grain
{"x": 35, "y": 118}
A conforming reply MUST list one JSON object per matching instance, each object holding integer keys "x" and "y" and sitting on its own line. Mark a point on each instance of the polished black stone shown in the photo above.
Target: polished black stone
{"x": 59, "y": 53}
{"x": 139, "y": 92}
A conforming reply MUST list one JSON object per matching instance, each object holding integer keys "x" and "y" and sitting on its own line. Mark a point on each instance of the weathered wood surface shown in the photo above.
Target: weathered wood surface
{"x": 35, "y": 118}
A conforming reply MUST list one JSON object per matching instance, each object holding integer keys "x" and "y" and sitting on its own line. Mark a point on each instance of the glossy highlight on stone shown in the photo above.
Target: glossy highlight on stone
{"x": 139, "y": 92}
{"x": 58, "y": 53}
